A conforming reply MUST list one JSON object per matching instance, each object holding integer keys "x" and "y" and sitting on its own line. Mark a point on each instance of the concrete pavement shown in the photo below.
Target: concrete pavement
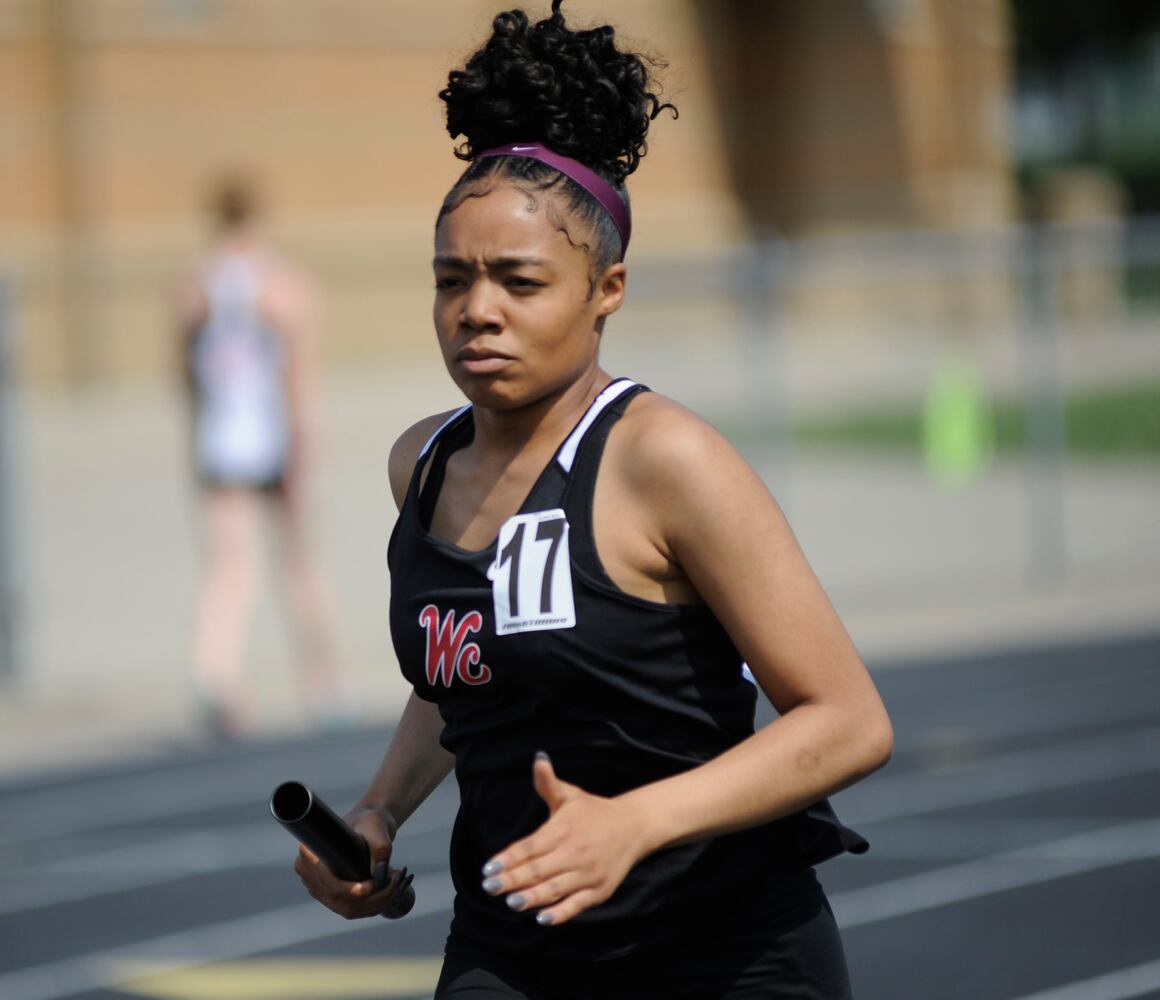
{"x": 109, "y": 550}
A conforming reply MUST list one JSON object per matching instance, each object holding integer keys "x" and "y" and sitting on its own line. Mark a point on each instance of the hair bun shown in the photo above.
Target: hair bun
{"x": 574, "y": 91}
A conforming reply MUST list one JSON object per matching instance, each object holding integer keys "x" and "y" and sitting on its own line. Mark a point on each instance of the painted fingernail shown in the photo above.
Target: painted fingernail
{"x": 493, "y": 867}
{"x": 543, "y": 755}
{"x": 543, "y": 918}
{"x": 382, "y": 875}
{"x": 492, "y": 886}
{"x": 516, "y": 901}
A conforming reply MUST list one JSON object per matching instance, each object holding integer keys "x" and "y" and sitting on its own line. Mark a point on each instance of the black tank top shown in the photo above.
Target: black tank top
{"x": 528, "y": 645}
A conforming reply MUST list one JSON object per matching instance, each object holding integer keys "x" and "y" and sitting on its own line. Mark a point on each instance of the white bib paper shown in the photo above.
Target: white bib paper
{"x": 531, "y": 578}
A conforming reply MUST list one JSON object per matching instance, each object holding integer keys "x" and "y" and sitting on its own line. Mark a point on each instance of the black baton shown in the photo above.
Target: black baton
{"x": 337, "y": 846}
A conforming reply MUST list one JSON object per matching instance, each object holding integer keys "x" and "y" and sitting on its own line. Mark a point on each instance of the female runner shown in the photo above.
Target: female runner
{"x": 580, "y": 571}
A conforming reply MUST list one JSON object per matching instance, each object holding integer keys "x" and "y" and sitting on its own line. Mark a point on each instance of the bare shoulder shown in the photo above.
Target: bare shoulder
{"x": 661, "y": 442}
{"x": 289, "y": 298}
{"x": 405, "y": 452}
{"x": 190, "y": 299}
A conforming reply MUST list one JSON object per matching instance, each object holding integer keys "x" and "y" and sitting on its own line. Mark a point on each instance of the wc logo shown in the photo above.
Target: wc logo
{"x": 449, "y": 654}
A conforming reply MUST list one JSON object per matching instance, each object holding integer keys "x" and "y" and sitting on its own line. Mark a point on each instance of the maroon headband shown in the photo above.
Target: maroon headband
{"x": 574, "y": 170}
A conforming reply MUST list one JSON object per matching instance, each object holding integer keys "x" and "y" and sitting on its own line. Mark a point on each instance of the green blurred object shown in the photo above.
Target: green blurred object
{"x": 1119, "y": 421}
{"x": 958, "y": 436}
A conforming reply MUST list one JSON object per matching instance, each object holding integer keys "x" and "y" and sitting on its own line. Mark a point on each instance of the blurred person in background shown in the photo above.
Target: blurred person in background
{"x": 580, "y": 570}
{"x": 247, "y": 326}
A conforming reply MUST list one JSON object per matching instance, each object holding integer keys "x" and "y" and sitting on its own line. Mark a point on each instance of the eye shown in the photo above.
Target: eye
{"x": 521, "y": 284}
{"x": 445, "y": 283}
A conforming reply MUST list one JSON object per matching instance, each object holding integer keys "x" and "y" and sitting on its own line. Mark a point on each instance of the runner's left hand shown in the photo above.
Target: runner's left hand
{"x": 575, "y": 860}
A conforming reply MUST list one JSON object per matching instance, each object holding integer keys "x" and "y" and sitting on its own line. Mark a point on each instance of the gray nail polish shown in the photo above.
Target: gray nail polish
{"x": 544, "y": 918}
{"x": 516, "y": 901}
{"x": 381, "y": 876}
{"x": 493, "y": 867}
{"x": 492, "y": 886}
{"x": 542, "y": 755}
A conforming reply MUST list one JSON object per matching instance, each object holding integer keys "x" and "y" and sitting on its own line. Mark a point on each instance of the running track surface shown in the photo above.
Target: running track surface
{"x": 1015, "y": 855}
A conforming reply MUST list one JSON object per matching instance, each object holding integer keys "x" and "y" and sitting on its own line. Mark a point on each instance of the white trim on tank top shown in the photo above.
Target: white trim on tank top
{"x": 612, "y": 392}
{"x": 567, "y": 454}
{"x": 443, "y": 426}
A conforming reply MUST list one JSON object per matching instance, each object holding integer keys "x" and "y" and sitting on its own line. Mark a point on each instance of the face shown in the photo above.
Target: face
{"x": 517, "y": 311}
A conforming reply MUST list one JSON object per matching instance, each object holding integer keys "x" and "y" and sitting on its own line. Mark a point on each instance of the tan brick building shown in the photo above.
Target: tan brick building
{"x": 810, "y": 115}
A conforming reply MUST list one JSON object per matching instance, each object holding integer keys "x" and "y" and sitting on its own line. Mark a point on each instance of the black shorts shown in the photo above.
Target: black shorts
{"x": 802, "y": 960}
{"x": 272, "y": 486}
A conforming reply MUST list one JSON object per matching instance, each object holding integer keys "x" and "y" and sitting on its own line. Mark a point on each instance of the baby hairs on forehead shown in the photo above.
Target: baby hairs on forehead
{"x": 584, "y": 213}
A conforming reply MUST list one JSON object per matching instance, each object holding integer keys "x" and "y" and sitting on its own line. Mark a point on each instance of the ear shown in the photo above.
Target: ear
{"x": 610, "y": 289}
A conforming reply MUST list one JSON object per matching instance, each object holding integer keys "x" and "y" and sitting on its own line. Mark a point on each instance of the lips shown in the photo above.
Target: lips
{"x": 481, "y": 361}
{"x": 480, "y": 354}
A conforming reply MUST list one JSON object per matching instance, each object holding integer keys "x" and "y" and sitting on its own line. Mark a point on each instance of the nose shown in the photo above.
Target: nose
{"x": 479, "y": 307}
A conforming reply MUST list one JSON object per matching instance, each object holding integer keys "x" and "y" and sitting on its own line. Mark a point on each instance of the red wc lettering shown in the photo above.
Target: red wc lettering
{"x": 449, "y": 655}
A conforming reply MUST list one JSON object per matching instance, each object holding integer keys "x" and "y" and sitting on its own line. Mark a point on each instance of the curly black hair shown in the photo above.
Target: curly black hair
{"x": 572, "y": 90}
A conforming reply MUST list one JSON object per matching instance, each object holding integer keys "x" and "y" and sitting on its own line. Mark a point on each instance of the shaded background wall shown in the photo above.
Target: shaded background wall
{"x": 844, "y": 115}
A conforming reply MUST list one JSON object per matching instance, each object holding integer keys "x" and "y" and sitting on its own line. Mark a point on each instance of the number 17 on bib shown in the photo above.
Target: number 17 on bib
{"x": 531, "y": 578}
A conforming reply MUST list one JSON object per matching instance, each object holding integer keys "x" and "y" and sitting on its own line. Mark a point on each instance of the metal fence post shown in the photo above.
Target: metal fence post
{"x": 9, "y": 575}
{"x": 764, "y": 354}
{"x": 1045, "y": 428}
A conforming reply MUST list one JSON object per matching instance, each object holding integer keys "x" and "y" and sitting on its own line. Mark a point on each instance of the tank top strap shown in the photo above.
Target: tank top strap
{"x": 551, "y": 489}
{"x": 453, "y": 433}
{"x": 581, "y": 489}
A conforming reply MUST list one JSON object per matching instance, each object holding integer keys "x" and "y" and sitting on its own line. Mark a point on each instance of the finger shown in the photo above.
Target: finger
{"x": 307, "y": 854}
{"x": 391, "y": 882}
{"x": 373, "y": 828}
{"x": 401, "y": 884}
{"x": 510, "y": 868}
{"x": 547, "y": 891}
{"x": 569, "y": 907}
{"x": 548, "y": 787}
{"x": 525, "y": 876}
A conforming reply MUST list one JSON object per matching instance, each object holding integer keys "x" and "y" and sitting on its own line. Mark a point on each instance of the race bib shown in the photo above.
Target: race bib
{"x": 531, "y": 578}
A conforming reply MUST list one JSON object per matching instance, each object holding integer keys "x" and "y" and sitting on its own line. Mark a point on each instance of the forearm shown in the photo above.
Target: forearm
{"x": 414, "y": 765}
{"x": 807, "y": 754}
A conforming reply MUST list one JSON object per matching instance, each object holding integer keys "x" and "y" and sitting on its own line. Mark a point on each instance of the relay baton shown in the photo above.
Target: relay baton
{"x": 337, "y": 846}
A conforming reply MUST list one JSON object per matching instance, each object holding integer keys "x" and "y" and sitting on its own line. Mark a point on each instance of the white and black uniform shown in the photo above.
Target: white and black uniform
{"x": 241, "y": 432}
{"x": 529, "y": 645}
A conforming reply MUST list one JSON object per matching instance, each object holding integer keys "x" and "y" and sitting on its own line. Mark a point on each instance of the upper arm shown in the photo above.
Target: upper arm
{"x": 405, "y": 453}
{"x": 191, "y": 306}
{"x": 289, "y": 305}
{"x": 723, "y": 528}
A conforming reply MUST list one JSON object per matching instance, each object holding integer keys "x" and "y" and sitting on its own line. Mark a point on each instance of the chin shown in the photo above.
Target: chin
{"x": 493, "y": 393}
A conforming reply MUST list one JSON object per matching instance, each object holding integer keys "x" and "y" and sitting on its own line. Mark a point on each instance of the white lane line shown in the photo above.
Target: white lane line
{"x": 887, "y": 797}
{"x": 1123, "y": 984}
{"x": 1030, "y": 865}
{"x": 165, "y": 794}
{"x": 157, "y": 862}
{"x": 169, "y": 793}
{"x": 882, "y": 798}
{"x": 221, "y": 942}
{"x": 287, "y": 926}
{"x": 945, "y": 840}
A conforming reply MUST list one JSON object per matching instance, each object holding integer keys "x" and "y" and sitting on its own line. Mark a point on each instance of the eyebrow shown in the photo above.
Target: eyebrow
{"x": 499, "y": 263}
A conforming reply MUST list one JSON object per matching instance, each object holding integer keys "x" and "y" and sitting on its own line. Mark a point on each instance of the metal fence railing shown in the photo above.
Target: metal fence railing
{"x": 1029, "y": 285}
{"x": 9, "y": 575}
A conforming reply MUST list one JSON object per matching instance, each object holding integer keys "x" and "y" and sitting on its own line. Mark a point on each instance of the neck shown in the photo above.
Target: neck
{"x": 240, "y": 239}
{"x": 542, "y": 424}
